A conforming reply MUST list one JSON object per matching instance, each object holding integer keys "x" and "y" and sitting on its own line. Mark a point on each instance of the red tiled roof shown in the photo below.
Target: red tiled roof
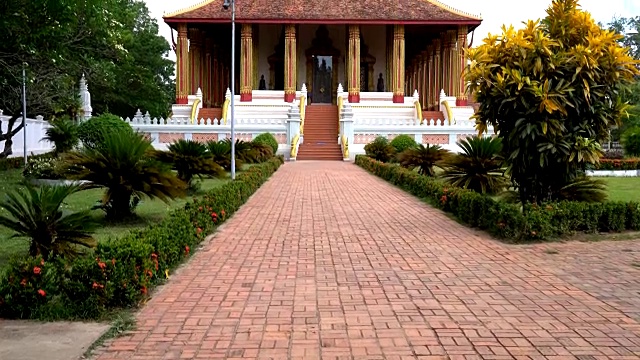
{"x": 346, "y": 11}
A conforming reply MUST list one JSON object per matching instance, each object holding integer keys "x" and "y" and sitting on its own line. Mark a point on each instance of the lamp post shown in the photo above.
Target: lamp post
{"x": 226, "y": 5}
{"x": 24, "y": 113}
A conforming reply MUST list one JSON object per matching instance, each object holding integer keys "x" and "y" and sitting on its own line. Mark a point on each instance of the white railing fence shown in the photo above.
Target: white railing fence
{"x": 36, "y": 130}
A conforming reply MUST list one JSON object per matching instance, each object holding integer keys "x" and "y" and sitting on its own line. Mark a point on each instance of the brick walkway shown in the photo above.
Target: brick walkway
{"x": 326, "y": 261}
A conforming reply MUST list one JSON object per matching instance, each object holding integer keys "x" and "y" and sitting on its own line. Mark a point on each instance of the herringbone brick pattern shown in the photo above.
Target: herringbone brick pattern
{"x": 327, "y": 261}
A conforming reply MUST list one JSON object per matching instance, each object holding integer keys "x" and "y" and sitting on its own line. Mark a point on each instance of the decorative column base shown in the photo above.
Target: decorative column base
{"x": 354, "y": 98}
{"x": 461, "y": 102}
{"x": 182, "y": 101}
{"x": 246, "y": 96}
{"x": 289, "y": 96}
{"x": 398, "y": 98}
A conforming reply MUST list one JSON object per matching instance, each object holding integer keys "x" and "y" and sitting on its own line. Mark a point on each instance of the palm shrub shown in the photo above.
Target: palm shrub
{"x": 380, "y": 149}
{"x": 93, "y": 131}
{"x": 220, "y": 152}
{"x": 267, "y": 139}
{"x": 631, "y": 141}
{"x": 124, "y": 165}
{"x": 260, "y": 152}
{"x": 478, "y": 167}
{"x": 423, "y": 158}
{"x": 63, "y": 133}
{"x": 403, "y": 142}
{"x": 189, "y": 159}
{"x": 38, "y": 216}
{"x": 242, "y": 149}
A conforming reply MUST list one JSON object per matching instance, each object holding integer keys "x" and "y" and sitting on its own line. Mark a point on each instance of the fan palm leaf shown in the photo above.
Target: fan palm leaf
{"x": 423, "y": 158}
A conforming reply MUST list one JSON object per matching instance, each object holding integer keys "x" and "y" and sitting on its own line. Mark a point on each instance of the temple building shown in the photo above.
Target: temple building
{"x": 369, "y": 46}
{"x": 377, "y": 50}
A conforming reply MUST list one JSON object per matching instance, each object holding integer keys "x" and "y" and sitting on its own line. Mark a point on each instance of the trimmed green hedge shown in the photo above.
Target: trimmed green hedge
{"x": 618, "y": 164}
{"x": 508, "y": 221}
{"x": 121, "y": 272}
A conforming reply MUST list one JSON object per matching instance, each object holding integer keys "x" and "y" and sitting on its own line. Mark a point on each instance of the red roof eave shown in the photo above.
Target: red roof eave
{"x": 172, "y": 20}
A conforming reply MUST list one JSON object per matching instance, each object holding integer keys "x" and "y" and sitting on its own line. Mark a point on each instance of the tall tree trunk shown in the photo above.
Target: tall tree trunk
{"x": 7, "y": 137}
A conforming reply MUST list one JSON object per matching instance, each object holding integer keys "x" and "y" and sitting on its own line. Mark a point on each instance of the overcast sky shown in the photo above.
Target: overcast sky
{"x": 494, "y": 13}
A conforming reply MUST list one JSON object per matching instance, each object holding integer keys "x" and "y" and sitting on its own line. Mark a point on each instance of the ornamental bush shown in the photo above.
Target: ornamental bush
{"x": 122, "y": 271}
{"x": 631, "y": 141}
{"x": 267, "y": 139}
{"x": 403, "y": 142}
{"x": 93, "y": 131}
{"x": 507, "y": 221}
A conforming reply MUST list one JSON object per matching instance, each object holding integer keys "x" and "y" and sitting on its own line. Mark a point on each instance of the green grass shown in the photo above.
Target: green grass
{"x": 623, "y": 188}
{"x": 148, "y": 212}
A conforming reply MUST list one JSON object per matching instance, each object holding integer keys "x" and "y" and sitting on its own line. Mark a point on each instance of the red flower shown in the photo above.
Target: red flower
{"x": 200, "y": 208}
{"x": 36, "y": 270}
{"x": 186, "y": 249}
{"x": 42, "y": 293}
{"x": 143, "y": 289}
{"x": 23, "y": 282}
{"x": 223, "y": 213}
{"x": 102, "y": 265}
{"x": 149, "y": 273}
{"x": 42, "y": 262}
{"x": 199, "y": 230}
{"x": 98, "y": 286}
{"x": 214, "y": 215}
{"x": 154, "y": 256}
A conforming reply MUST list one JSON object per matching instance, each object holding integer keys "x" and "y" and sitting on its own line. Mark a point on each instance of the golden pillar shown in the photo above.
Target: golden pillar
{"x": 452, "y": 36}
{"x": 195, "y": 57}
{"x": 424, "y": 78}
{"x": 290, "y": 68}
{"x": 246, "y": 62}
{"x": 398, "y": 63}
{"x": 389, "y": 59}
{"x": 438, "y": 71}
{"x": 182, "y": 65}
{"x": 207, "y": 91}
{"x": 353, "y": 64}
{"x": 461, "y": 99}
{"x": 430, "y": 78}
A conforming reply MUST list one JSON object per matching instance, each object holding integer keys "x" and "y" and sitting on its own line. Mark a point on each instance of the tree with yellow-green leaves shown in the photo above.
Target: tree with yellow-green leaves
{"x": 551, "y": 91}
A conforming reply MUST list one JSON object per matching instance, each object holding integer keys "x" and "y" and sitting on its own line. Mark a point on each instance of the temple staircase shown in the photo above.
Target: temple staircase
{"x": 210, "y": 113}
{"x": 320, "y": 134}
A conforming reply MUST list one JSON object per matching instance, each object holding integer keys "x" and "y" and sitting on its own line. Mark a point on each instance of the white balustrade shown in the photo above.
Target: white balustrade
{"x": 36, "y": 130}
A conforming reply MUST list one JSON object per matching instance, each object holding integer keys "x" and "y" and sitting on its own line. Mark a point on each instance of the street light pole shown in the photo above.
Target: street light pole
{"x": 24, "y": 113}
{"x": 226, "y": 5}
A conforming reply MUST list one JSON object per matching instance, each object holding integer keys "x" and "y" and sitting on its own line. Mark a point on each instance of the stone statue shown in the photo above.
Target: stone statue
{"x": 380, "y": 83}
{"x": 263, "y": 83}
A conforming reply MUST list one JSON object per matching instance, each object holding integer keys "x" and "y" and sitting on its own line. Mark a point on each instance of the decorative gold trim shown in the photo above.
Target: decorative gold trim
{"x": 194, "y": 108}
{"x": 419, "y": 111}
{"x": 453, "y": 10}
{"x": 449, "y": 112}
{"x": 345, "y": 147}
{"x": 303, "y": 101}
{"x": 188, "y": 9}
{"x": 225, "y": 110}
{"x": 294, "y": 146}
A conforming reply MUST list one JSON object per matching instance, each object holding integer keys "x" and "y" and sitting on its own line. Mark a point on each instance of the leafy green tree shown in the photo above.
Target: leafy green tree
{"x": 550, "y": 90}
{"x": 38, "y": 215}
{"x": 114, "y": 42}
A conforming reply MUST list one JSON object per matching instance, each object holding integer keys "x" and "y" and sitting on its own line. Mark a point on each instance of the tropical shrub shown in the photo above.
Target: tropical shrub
{"x": 622, "y": 164}
{"x": 43, "y": 168}
{"x": 423, "y": 158}
{"x": 612, "y": 154}
{"x": 38, "y": 216}
{"x": 508, "y": 221}
{"x": 125, "y": 166}
{"x": 267, "y": 139}
{"x": 631, "y": 141}
{"x": 220, "y": 152}
{"x": 94, "y": 131}
{"x": 260, "y": 152}
{"x": 380, "y": 149}
{"x": 478, "y": 167}
{"x": 122, "y": 271}
{"x": 189, "y": 159}
{"x": 242, "y": 150}
{"x": 403, "y": 142}
{"x": 63, "y": 133}
{"x": 551, "y": 92}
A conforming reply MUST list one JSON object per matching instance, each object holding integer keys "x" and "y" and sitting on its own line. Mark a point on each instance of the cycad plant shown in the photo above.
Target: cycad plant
{"x": 124, "y": 165}
{"x": 37, "y": 215}
{"x": 63, "y": 133}
{"x": 242, "y": 149}
{"x": 478, "y": 167}
{"x": 220, "y": 152}
{"x": 423, "y": 158}
{"x": 380, "y": 149}
{"x": 190, "y": 159}
{"x": 260, "y": 152}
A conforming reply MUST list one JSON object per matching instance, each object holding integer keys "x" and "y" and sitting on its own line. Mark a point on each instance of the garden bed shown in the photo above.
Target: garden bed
{"x": 121, "y": 271}
{"x": 508, "y": 221}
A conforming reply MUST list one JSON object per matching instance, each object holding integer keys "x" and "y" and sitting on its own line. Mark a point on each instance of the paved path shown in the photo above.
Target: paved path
{"x": 326, "y": 261}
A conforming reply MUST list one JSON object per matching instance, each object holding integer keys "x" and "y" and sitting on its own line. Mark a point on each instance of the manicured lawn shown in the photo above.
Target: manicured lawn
{"x": 148, "y": 212}
{"x": 623, "y": 188}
